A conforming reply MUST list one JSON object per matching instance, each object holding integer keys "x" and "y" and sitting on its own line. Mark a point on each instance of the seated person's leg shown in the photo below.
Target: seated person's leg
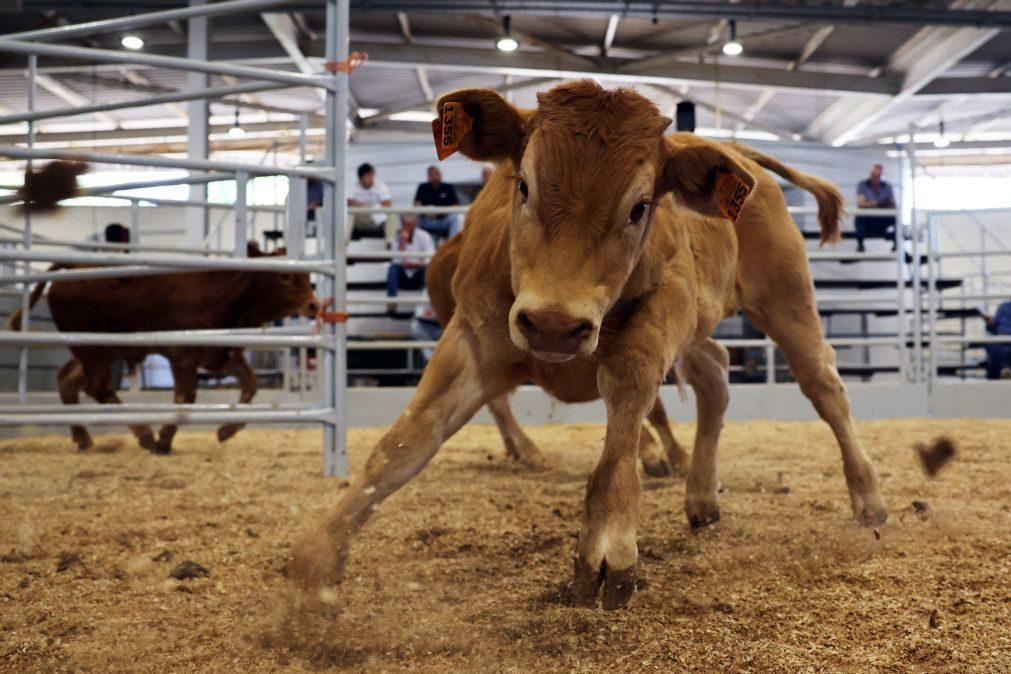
{"x": 395, "y": 278}
{"x": 995, "y": 356}
{"x": 860, "y": 224}
{"x": 453, "y": 227}
{"x": 436, "y": 226}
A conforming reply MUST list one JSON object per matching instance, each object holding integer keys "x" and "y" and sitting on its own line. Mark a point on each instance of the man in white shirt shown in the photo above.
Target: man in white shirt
{"x": 409, "y": 272}
{"x": 371, "y": 192}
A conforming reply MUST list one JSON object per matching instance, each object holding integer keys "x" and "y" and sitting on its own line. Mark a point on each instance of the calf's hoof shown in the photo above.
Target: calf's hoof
{"x": 84, "y": 442}
{"x": 870, "y": 515}
{"x": 148, "y": 442}
{"x": 162, "y": 448}
{"x": 586, "y": 583}
{"x": 658, "y": 468}
{"x": 227, "y": 431}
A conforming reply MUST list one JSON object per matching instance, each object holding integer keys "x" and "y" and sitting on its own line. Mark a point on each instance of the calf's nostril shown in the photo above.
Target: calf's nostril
{"x": 582, "y": 330}
{"x": 525, "y": 323}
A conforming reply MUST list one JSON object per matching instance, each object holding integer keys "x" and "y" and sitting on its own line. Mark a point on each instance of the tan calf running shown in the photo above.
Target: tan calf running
{"x": 582, "y": 273}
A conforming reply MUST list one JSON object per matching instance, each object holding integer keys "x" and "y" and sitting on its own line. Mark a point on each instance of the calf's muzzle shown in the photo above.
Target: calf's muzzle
{"x": 554, "y": 331}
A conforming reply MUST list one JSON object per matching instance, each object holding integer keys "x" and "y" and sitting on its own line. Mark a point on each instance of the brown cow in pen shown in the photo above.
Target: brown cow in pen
{"x": 600, "y": 254}
{"x": 188, "y": 301}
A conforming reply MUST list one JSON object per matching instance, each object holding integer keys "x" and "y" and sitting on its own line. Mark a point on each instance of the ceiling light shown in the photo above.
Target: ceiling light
{"x": 941, "y": 140}
{"x": 507, "y": 42}
{"x": 733, "y": 47}
{"x": 133, "y": 42}
{"x": 236, "y": 131}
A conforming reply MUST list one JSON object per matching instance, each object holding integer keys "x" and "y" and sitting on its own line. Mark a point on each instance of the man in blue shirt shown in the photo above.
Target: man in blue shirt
{"x": 998, "y": 356}
{"x": 437, "y": 193}
{"x": 875, "y": 193}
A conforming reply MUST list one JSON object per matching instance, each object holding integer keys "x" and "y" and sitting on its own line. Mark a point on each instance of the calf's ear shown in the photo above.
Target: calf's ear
{"x": 478, "y": 123}
{"x": 703, "y": 176}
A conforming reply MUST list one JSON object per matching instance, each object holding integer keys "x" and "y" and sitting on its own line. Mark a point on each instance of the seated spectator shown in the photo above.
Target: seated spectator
{"x": 409, "y": 272}
{"x": 371, "y": 192}
{"x": 437, "y": 193}
{"x": 875, "y": 193}
{"x": 998, "y": 356}
{"x": 117, "y": 233}
{"x": 425, "y": 328}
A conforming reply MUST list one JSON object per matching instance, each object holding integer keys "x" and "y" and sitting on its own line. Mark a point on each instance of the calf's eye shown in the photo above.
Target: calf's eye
{"x": 524, "y": 190}
{"x": 638, "y": 213}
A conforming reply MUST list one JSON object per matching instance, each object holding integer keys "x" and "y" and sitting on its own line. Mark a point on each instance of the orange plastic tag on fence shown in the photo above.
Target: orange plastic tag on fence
{"x": 450, "y": 128}
{"x": 355, "y": 59}
{"x": 731, "y": 192}
{"x": 324, "y": 316}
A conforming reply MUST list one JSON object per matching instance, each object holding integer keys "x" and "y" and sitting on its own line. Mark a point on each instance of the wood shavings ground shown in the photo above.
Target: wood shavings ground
{"x": 466, "y": 568}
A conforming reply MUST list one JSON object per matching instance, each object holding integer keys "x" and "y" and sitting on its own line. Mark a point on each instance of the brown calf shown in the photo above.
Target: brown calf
{"x": 189, "y": 301}
{"x": 599, "y": 256}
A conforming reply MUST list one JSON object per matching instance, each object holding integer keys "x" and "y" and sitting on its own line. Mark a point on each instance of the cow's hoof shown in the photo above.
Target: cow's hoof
{"x": 148, "y": 442}
{"x": 84, "y": 446}
{"x": 534, "y": 461}
{"x": 658, "y": 468}
{"x": 227, "y": 431}
{"x": 618, "y": 585}
{"x": 871, "y": 516}
{"x": 162, "y": 449}
{"x": 704, "y": 519}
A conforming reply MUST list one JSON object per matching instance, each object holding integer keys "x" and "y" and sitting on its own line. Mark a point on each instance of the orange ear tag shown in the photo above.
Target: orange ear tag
{"x": 731, "y": 193}
{"x": 450, "y": 128}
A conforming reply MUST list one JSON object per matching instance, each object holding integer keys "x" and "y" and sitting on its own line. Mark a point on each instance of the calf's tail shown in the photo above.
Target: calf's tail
{"x": 829, "y": 198}
{"x": 14, "y": 322}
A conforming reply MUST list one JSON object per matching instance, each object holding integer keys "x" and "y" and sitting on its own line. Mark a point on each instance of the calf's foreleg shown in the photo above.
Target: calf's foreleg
{"x": 456, "y": 383}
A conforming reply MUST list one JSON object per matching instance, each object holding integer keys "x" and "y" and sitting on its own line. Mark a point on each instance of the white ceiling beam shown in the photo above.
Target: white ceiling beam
{"x": 609, "y": 33}
{"x": 530, "y": 64}
{"x": 419, "y": 71}
{"x": 921, "y": 59}
{"x": 70, "y": 96}
{"x": 560, "y": 53}
{"x": 134, "y": 77}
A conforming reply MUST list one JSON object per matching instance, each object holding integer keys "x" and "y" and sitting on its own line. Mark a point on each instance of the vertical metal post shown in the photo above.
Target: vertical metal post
{"x": 335, "y": 461}
{"x": 241, "y": 213}
{"x": 917, "y": 267}
{"x": 303, "y": 131}
{"x": 770, "y": 361}
{"x": 900, "y": 280}
{"x": 932, "y": 301}
{"x": 135, "y": 222}
{"x": 198, "y": 113}
{"x": 294, "y": 231}
{"x": 33, "y": 62}
{"x": 985, "y": 273}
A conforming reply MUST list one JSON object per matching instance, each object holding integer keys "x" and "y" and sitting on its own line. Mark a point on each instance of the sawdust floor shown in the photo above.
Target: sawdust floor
{"x": 465, "y": 568}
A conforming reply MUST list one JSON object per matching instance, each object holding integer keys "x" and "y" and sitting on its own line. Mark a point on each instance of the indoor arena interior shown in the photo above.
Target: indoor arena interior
{"x": 505, "y": 336}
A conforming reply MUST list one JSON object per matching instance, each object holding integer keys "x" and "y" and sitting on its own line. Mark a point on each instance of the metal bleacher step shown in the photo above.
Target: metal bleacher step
{"x": 873, "y": 284}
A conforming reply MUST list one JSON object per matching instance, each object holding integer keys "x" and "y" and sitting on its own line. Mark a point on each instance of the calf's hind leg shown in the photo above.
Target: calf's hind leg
{"x": 71, "y": 381}
{"x": 518, "y": 445}
{"x": 795, "y": 327}
{"x": 238, "y": 367}
{"x": 454, "y": 386}
{"x": 674, "y": 459}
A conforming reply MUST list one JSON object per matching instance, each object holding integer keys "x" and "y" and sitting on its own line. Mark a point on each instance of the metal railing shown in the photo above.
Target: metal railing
{"x": 148, "y": 260}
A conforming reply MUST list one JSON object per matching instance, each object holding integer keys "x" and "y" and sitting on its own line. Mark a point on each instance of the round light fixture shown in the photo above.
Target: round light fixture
{"x": 236, "y": 131}
{"x": 732, "y": 47}
{"x": 506, "y": 41}
{"x": 133, "y": 42}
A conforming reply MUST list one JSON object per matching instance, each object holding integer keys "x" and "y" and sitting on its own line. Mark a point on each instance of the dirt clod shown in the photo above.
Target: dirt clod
{"x": 934, "y": 619}
{"x": 935, "y": 456}
{"x": 922, "y": 509}
{"x": 188, "y": 570}
{"x": 163, "y": 556}
{"x": 67, "y": 560}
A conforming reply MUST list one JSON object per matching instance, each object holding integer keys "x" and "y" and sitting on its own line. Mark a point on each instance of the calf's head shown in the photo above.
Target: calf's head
{"x": 284, "y": 294}
{"x": 590, "y": 167}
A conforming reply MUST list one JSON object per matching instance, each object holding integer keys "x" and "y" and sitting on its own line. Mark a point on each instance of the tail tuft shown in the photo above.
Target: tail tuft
{"x": 45, "y": 188}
